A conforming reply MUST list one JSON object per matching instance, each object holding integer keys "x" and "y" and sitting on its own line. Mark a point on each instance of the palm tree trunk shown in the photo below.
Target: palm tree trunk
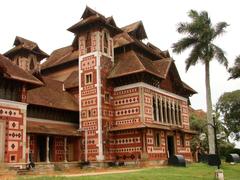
{"x": 209, "y": 110}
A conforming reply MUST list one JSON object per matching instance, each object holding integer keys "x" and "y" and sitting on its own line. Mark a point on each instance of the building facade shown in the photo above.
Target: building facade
{"x": 107, "y": 97}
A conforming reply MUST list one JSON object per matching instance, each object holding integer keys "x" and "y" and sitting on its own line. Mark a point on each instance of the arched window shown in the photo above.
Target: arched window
{"x": 164, "y": 111}
{"x": 179, "y": 115}
{"x": 173, "y": 114}
{"x": 154, "y": 109}
{"x": 105, "y": 42}
{"x": 31, "y": 64}
{"x": 168, "y": 112}
{"x": 159, "y": 110}
{"x": 88, "y": 42}
{"x": 176, "y": 114}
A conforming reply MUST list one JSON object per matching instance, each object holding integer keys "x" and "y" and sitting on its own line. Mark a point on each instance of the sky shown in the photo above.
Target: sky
{"x": 46, "y": 21}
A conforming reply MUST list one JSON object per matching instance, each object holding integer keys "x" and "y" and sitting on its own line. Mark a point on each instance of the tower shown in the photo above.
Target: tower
{"x": 26, "y": 54}
{"x": 96, "y": 54}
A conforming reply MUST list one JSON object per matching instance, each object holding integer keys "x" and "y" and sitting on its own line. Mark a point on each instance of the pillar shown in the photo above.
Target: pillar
{"x": 29, "y": 151}
{"x": 47, "y": 149}
{"x": 65, "y": 149}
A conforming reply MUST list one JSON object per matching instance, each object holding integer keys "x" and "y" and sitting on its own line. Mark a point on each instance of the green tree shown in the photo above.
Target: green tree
{"x": 228, "y": 106}
{"x": 235, "y": 70}
{"x": 199, "y": 35}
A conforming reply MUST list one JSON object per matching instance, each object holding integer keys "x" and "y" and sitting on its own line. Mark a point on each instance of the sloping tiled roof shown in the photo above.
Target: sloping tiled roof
{"x": 189, "y": 88}
{"x": 52, "y": 95}
{"x": 12, "y": 71}
{"x": 50, "y": 128}
{"x": 72, "y": 80}
{"x": 124, "y": 39}
{"x": 136, "y": 29}
{"x": 22, "y": 43}
{"x": 61, "y": 56}
{"x": 131, "y": 62}
{"x": 163, "y": 66}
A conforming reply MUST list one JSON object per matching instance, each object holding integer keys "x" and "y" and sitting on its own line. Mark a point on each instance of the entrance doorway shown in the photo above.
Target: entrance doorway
{"x": 2, "y": 140}
{"x": 170, "y": 143}
{"x": 41, "y": 142}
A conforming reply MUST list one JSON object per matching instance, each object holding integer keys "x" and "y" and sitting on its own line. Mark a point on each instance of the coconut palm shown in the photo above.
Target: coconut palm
{"x": 235, "y": 70}
{"x": 199, "y": 36}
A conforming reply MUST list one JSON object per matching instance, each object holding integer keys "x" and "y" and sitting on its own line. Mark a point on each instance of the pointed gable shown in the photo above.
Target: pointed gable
{"x": 90, "y": 18}
{"x": 25, "y": 44}
{"x": 136, "y": 30}
{"x": 90, "y": 12}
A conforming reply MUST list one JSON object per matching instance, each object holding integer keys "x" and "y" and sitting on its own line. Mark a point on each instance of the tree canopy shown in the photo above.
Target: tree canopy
{"x": 228, "y": 106}
{"x": 235, "y": 70}
{"x": 200, "y": 34}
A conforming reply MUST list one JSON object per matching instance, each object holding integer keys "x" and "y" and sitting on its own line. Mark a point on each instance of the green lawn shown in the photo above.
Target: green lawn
{"x": 192, "y": 171}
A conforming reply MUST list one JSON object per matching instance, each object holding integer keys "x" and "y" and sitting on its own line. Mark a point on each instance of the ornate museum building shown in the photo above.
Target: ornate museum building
{"x": 107, "y": 97}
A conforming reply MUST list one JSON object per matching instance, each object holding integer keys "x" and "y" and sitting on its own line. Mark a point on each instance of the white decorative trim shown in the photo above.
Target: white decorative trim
{"x": 2, "y": 139}
{"x": 99, "y": 107}
{"x": 142, "y": 84}
{"x": 14, "y": 104}
{"x": 49, "y": 121}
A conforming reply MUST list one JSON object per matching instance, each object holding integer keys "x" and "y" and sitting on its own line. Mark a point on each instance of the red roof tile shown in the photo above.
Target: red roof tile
{"x": 12, "y": 71}
{"x": 52, "y": 95}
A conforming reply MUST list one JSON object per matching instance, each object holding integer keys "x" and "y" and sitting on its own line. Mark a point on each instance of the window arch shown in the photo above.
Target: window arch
{"x": 31, "y": 64}
{"x": 88, "y": 42}
{"x": 164, "y": 111}
{"x": 154, "y": 109}
{"x": 105, "y": 42}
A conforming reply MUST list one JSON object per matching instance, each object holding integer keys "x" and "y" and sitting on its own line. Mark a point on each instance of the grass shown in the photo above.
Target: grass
{"x": 192, "y": 171}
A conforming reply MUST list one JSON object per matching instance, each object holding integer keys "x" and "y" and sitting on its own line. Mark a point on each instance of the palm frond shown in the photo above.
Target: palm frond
{"x": 220, "y": 28}
{"x": 194, "y": 56}
{"x": 193, "y": 14}
{"x": 235, "y": 70}
{"x": 183, "y": 44}
{"x": 220, "y": 55}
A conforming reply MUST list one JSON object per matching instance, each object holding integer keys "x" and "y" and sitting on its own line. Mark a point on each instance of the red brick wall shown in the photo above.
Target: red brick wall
{"x": 13, "y": 119}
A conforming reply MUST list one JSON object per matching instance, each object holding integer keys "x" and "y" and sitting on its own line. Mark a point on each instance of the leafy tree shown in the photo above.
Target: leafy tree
{"x": 228, "y": 106}
{"x": 235, "y": 70}
{"x": 199, "y": 35}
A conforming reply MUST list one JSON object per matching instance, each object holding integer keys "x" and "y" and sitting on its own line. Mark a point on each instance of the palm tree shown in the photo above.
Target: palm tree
{"x": 199, "y": 35}
{"x": 235, "y": 70}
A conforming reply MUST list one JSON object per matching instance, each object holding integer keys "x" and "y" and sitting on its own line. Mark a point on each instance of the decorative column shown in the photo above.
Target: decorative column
{"x": 86, "y": 145}
{"x": 65, "y": 149}
{"x": 47, "y": 150}
{"x": 29, "y": 151}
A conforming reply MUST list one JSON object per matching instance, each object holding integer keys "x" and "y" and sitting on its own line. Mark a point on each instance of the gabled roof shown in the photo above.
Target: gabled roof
{"x": 124, "y": 39}
{"x": 130, "y": 63}
{"x": 72, "y": 80}
{"x": 24, "y": 44}
{"x": 12, "y": 71}
{"x": 90, "y": 12}
{"x": 136, "y": 29}
{"x": 61, "y": 56}
{"x": 91, "y": 17}
{"x": 52, "y": 95}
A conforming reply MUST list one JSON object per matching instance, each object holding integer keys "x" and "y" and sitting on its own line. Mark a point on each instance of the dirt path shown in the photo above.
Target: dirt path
{"x": 101, "y": 173}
